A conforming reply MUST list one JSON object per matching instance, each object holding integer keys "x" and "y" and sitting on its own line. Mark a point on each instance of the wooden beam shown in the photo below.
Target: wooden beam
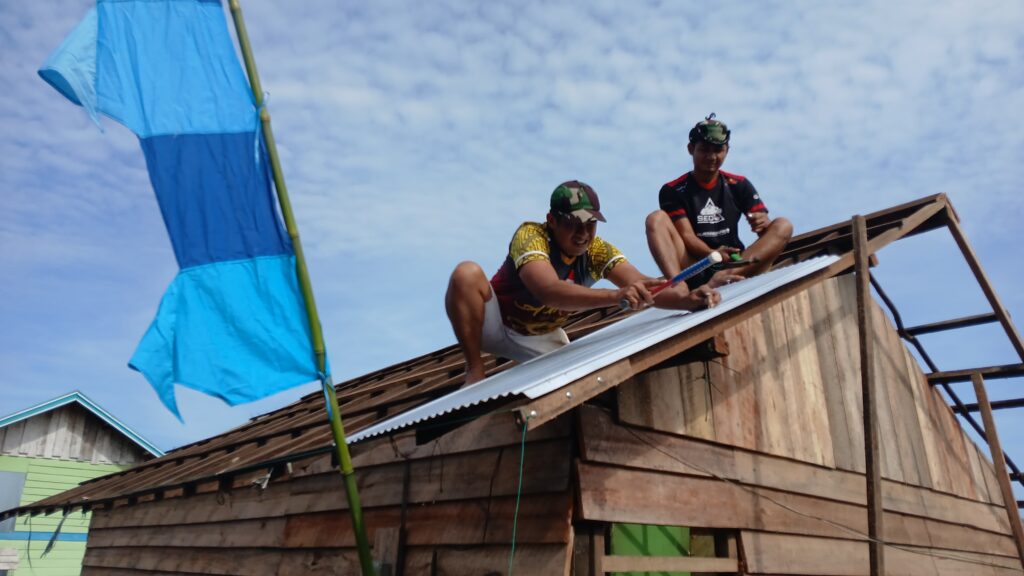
{"x": 997, "y": 459}
{"x": 986, "y": 286}
{"x": 872, "y": 456}
{"x": 990, "y": 372}
{"x": 597, "y": 547}
{"x": 669, "y": 564}
{"x": 895, "y": 213}
{"x": 998, "y": 404}
{"x": 964, "y": 322}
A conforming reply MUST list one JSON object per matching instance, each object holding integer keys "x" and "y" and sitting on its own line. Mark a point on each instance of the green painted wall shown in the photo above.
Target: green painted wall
{"x": 46, "y": 477}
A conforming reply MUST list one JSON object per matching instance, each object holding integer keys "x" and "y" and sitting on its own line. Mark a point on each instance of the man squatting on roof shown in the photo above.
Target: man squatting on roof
{"x": 547, "y": 274}
{"x": 700, "y": 212}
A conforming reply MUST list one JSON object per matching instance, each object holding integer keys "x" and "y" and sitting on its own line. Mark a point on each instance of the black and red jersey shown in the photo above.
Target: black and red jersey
{"x": 713, "y": 212}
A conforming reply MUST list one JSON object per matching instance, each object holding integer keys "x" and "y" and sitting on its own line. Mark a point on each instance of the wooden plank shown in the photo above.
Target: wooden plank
{"x": 450, "y": 477}
{"x": 925, "y": 445}
{"x": 653, "y": 399}
{"x": 581, "y": 552}
{"x": 992, "y": 434}
{"x": 8, "y": 558}
{"x": 988, "y": 372}
{"x": 602, "y": 441}
{"x": 254, "y": 562}
{"x": 824, "y": 304}
{"x": 669, "y": 564}
{"x": 811, "y": 409}
{"x": 490, "y": 431}
{"x": 846, "y": 340}
{"x": 989, "y": 473}
{"x": 696, "y": 381}
{"x": 540, "y": 560}
{"x": 543, "y": 519}
{"x": 772, "y": 378}
{"x": 734, "y": 403}
{"x": 952, "y": 444}
{"x": 788, "y": 554}
{"x": 890, "y": 368}
{"x": 550, "y": 406}
{"x": 34, "y": 436}
{"x": 598, "y": 546}
{"x": 964, "y": 322}
{"x": 609, "y": 494}
{"x": 869, "y": 391}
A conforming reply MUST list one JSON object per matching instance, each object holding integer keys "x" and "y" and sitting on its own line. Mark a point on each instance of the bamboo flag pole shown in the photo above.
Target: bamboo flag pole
{"x": 331, "y": 399}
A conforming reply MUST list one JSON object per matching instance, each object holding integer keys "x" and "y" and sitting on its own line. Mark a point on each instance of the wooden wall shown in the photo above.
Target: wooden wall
{"x": 779, "y": 419}
{"x": 454, "y": 514}
{"x": 69, "y": 433}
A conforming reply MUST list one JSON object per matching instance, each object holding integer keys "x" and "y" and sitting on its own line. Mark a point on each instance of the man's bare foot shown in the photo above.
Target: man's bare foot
{"x": 472, "y": 377}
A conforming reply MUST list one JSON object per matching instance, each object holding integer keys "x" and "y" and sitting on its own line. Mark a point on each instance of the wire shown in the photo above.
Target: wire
{"x": 861, "y": 536}
{"x": 519, "y": 493}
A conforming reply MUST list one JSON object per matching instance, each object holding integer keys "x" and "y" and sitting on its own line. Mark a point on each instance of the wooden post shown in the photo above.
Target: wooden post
{"x": 1000, "y": 465}
{"x": 872, "y": 462}
{"x": 597, "y": 550}
{"x": 986, "y": 286}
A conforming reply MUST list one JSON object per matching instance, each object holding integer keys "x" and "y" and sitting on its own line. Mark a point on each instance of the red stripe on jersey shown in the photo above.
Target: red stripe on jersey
{"x": 677, "y": 213}
{"x": 759, "y": 207}
{"x": 679, "y": 180}
{"x": 732, "y": 176}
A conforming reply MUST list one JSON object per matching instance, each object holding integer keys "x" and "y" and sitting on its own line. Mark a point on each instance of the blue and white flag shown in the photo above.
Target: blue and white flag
{"x": 232, "y": 323}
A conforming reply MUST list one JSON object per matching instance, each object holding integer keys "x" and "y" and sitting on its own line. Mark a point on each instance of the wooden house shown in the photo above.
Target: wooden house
{"x": 45, "y": 450}
{"x": 726, "y": 442}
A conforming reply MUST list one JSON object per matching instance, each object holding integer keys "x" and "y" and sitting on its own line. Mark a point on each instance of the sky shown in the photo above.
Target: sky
{"x": 417, "y": 135}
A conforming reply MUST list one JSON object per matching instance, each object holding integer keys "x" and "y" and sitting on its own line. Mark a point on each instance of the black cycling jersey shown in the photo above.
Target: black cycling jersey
{"x": 713, "y": 212}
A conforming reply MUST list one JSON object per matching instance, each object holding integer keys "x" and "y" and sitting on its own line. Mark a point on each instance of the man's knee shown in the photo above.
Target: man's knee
{"x": 782, "y": 228}
{"x": 657, "y": 220}
{"x": 467, "y": 277}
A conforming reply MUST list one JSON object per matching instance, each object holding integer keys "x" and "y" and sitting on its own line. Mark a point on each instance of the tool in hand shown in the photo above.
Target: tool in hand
{"x": 736, "y": 261}
{"x": 712, "y": 259}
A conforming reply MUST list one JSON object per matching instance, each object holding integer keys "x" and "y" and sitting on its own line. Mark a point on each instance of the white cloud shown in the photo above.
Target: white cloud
{"x": 417, "y": 135}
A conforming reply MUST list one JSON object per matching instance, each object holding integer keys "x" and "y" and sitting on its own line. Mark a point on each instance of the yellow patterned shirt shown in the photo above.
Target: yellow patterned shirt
{"x": 520, "y": 310}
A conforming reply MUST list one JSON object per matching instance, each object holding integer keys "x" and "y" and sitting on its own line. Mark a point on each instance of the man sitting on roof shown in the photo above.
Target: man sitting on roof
{"x": 548, "y": 273}
{"x": 700, "y": 212}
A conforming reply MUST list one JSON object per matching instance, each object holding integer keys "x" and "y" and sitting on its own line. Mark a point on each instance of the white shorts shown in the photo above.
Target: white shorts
{"x": 501, "y": 340}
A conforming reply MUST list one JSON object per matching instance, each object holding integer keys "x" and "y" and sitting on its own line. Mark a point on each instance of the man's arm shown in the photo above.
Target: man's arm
{"x": 626, "y": 275}
{"x": 753, "y": 208}
{"x": 542, "y": 281}
{"x": 696, "y": 247}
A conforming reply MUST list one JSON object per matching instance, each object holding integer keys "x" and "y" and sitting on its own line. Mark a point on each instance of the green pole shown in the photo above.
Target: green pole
{"x": 331, "y": 399}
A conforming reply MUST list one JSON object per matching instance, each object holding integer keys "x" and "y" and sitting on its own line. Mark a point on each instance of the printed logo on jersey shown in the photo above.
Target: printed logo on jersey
{"x": 710, "y": 214}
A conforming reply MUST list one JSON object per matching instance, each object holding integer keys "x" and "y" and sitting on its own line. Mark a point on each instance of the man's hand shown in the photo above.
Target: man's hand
{"x": 759, "y": 222}
{"x": 637, "y": 293}
{"x": 723, "y": 277}
{"x": 703, "y": 296}
{"x": 727, "y": 252}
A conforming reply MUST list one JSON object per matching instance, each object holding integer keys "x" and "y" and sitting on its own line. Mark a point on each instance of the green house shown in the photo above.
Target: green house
{"x": 45, "y": 450}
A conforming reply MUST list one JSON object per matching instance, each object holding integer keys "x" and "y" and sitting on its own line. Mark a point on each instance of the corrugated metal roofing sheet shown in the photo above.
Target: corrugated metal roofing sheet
{"x": 594, "y": 351}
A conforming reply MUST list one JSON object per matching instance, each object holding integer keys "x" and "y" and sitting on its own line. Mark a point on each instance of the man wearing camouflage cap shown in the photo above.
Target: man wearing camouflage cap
{"x": 700, "y": 211}
{"x": 549, "y": 272}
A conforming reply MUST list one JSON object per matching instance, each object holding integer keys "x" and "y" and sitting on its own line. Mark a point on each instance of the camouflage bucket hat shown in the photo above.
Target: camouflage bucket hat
{"x": 711, "y": 131}
{"x": 577, "y": 199}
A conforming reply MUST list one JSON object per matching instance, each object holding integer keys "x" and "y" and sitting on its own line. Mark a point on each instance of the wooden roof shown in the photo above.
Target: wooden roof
{"x": 301, "y": 430}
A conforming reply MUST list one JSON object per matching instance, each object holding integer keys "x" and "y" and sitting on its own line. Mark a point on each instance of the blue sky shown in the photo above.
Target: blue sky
{"x": 416, "y": 135}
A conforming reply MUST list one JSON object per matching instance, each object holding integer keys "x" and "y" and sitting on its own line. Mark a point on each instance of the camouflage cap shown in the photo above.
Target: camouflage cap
{"x": 577, "y": 199}
{"x": 711, "y": 131}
